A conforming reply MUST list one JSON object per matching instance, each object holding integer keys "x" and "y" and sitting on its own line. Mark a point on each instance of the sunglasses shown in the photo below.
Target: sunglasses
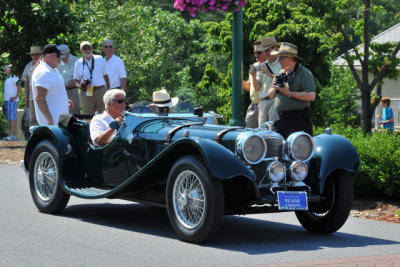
{"x": 119, "y": 101}
{"x": 258, "y": 52}
{"x": 282, "y": 57}
{"x": 86, "y": 48}
{"x": 108, "y": 46}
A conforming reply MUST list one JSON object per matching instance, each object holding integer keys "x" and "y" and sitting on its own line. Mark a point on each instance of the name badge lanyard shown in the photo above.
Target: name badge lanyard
{"x": 89, "y": 91}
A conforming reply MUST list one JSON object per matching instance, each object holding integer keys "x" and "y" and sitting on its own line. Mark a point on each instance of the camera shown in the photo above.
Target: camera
{"x": 281, "y": 79}
{"x": 85, "y": 83}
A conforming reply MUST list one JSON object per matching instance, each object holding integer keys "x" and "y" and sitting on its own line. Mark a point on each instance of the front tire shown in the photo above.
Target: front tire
{"x": 195, "y": 201}
{"x": 44, "y": 179}
{"x": 331, "y": 214}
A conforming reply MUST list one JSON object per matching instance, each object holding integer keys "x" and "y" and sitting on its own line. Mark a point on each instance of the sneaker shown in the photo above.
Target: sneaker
{"x": 10, "y": 138}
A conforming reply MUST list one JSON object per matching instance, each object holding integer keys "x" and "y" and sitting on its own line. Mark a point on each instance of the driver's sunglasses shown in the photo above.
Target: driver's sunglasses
{"x": 120, "y": 101}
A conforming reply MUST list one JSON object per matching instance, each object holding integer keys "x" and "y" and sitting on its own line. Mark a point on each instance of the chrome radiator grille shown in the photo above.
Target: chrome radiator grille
{"x": 274, "y": 149}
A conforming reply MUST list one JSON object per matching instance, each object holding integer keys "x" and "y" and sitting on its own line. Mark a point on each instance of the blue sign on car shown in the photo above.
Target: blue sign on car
{"x": 292, "y": 200}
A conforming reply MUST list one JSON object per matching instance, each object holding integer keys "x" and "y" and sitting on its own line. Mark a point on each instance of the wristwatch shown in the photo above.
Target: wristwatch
{"x": 290, "y": 94}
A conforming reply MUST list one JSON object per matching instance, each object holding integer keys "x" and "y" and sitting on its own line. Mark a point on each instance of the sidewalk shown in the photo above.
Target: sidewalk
{"x": 368, "y": 261}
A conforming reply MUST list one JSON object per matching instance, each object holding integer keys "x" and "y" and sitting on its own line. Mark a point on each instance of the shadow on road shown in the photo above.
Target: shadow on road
{"x": 238, "y": 233}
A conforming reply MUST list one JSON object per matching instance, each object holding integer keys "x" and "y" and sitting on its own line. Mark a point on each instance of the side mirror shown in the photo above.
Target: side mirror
{"x": 114, "y": 125}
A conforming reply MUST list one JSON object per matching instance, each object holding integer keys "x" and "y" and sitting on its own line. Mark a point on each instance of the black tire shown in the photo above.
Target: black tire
{"x": 197, "y": 214}
{"x": 329, "y": 216}
{"x": 44, "y": 179}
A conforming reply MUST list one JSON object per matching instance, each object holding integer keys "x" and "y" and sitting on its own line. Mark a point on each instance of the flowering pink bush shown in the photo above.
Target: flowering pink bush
{"x": 194, "y": 5}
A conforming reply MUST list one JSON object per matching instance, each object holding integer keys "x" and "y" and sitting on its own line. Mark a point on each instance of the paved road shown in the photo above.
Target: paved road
{"x": 119, "y": 233}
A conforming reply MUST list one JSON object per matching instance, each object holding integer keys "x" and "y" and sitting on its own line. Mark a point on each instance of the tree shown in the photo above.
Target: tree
{"x": 26, "y": 23}
{"x": 341, "y": 18}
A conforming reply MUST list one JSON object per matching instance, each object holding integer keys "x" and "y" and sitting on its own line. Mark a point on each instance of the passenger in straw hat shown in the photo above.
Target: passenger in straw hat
{"x": 29, "y": 112}
{"x": 161, "y": 98}
{"x": 294, "y": 89}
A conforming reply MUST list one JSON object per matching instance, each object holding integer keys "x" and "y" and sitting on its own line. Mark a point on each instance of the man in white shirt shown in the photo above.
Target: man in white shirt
{"x": 114, "y": 103}
{"x": 91, "y": 77}
{"x": 66, "y": 69}
{"x": 114, "y": 66}
{"x": 50, "y": 97}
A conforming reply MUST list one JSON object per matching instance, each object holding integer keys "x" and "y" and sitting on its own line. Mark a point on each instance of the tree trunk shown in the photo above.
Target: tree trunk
{"x": 366, "y": 119}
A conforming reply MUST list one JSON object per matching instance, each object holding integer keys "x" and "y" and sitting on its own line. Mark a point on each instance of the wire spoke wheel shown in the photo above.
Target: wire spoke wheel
{"x": 45, "y": 176}
{"x": 189, "y": 199}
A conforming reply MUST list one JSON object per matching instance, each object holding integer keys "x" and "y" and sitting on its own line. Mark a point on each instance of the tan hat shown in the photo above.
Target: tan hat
{"x": 162, "y": 99}
{"x": 84, "y": 43}
{"x": 35, "y": 50}
{"x": 265, "y": 43}
{"x": 287, "y": 49}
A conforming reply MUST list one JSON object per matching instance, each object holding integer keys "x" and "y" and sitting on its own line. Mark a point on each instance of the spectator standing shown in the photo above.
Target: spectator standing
{"x": 66, "y": 69}
{"x": 51, "y": 98}
{"x": 12, "y": 89}
{"x": 29, "y": 118}
{"x": 91, "y": 77}
{"x": 114, "y": 66}
{"x": 387, "y": 121}
{"x": 255, "y": 77}
{"x": 266, "y": 107}
{"x": 294, "y": 95}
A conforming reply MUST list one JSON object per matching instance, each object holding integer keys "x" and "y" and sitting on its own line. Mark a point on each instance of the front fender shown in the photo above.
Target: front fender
{"x": 40, "y": 133}
{"x": 335, "y": 152}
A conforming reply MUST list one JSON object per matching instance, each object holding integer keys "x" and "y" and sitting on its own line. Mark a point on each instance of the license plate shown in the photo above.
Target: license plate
{"x": 292, "y": 200}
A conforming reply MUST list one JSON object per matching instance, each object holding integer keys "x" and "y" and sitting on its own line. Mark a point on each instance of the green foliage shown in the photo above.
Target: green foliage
{"x": 379, "y": 153}
{"x": 340, "y": 99}
{"x": 26, "y": 23}
{"x": 207, "y": 90}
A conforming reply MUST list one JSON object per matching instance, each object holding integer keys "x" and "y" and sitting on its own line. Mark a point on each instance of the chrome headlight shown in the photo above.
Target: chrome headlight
{"x": 276, "y": 171}
{"x": 251, "y": 147}
{"x": 300, "y": 146}
{"x": 298, "y": 170}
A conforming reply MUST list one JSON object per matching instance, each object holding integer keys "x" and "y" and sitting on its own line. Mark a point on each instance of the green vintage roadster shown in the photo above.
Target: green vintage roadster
{"x": 198, "y": 171}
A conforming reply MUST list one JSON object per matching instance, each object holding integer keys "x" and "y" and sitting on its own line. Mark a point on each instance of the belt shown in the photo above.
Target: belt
{"x": 292, "y": 111}
{"x": 265, "y": 98}
{"x": 98, "y": 87}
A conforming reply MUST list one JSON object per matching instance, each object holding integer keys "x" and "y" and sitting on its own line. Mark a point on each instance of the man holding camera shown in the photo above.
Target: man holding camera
{"x": 260, "y": 79}
{"x": 91, "y": 77}
{"x": 294, "y": 88}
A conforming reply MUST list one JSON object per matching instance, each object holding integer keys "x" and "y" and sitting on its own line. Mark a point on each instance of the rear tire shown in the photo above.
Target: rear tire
{"x": 331, "y": 214}
{"x": 44, "y": 179}
{"x": 195, "y": 201}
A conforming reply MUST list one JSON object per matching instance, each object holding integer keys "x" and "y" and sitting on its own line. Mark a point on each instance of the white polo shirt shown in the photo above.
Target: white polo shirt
{"x": 82, "y": 70}
{"x": 99, "y": 124}
{"x": 266, "y": 81}
{"x": 115, "y": 70}
{"x": 57, "y": 100}
{"x": 11, "y": 88}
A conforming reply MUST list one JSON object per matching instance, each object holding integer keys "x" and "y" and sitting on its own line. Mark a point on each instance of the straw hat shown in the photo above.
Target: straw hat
{"x": 265, "y": 43}
{"x": 287, "y": 49}
{"x": 162, "y": 99}
{"x": 35, "y": 50}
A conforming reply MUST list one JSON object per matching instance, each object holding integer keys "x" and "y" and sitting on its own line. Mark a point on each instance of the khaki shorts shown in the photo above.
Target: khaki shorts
{"x": 91, "y": 104}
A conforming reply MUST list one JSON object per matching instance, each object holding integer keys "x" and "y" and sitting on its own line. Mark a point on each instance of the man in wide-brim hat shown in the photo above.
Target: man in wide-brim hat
{"x": 161, "y": 99}
{"x": 293, "y": 89}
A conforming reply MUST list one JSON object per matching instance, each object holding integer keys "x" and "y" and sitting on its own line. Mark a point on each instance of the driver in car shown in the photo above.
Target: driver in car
{"x": 100, "y": 131}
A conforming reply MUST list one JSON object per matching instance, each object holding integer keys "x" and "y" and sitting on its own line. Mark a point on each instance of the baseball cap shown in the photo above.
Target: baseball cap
{"x": 64, "y": 49}
{"x": 51, "y": 48}
{"x": 84, "y": 43}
